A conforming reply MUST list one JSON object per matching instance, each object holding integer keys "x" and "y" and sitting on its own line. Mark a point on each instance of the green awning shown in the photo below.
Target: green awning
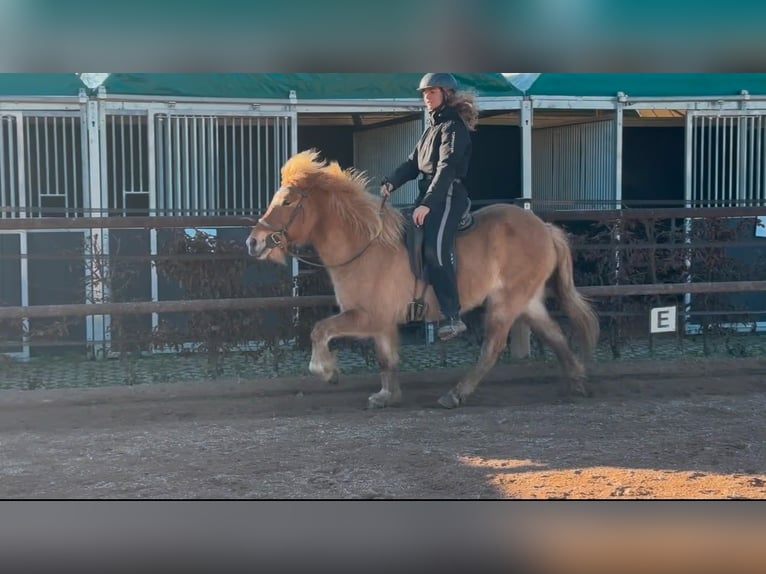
{"x": 306, "y": 86}
{"x": 40, "y": 85}
{"x": 647, "y": 85}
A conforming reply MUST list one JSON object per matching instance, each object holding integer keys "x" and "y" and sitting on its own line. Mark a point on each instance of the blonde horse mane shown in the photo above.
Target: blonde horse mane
{"x": 343, "y": 194}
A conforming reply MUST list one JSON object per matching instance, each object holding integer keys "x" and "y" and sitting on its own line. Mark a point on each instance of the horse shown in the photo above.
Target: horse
{"x": 507, "y": 261}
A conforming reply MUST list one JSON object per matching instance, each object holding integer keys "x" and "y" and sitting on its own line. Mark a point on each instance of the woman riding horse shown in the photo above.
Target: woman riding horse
{"x": 441, "y": 156}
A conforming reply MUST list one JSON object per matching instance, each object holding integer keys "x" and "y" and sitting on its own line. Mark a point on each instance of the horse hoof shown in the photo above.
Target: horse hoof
{"x": 577, "y": 387}
{"x": 382, "y": 400}
{"x": 449, "y": 400}
{"x": 376, "y": 402}
{"x": 334, "y": 378}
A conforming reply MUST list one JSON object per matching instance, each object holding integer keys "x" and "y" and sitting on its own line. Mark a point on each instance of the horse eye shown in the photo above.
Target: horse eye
{"x": 286, "y": 202}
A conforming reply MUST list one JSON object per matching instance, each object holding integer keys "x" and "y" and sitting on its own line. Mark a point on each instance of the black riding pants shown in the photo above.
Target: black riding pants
{"x": 439, "y": 230}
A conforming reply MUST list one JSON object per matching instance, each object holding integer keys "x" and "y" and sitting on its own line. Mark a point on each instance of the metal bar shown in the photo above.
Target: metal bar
{"x": 156, "y": 162}
{"x": 19, "y": 170}
{"x": 168, "y": 194}
{"x": 525, "y": 122}
{"x": 266, "y": 160}
{"x": 690, "y": 154}
{"x": 758, "y": 159}
{"x": 714, "y": 182}
{"x": 225, "y": 168}
{"x": 85, "y": 158}
{"x": 751, "y": 162}
{"x": 202, "y": 164}
{"x": 708, "y": 163}
{"x": 47, "y": 171}
{"x": 258, "y": 155}
{"x": 742, "y": 142}
{"x": 174, "y": 152}
{"x": 293, "y": 119}
{"x": 113, "y": 165}
{"x": 617, "y": 164}
{"x": 199, "y": 204}
{"x": 64, "y": 162}
{"x": 700, "y": 192}
{"x": 78, "y": 199}
{"x": 242, "y": 193}
{"x": 4, "y": 191}
{"x": 190, "y": 204}
{"x": 726, "y": 150}
{"x": 732, "y": 127}
{"x": 55, "y": 156}
{"x": 141, "y": 153}
{"x": 171, "y": 162}
{"x": 132, "y": 163}
{"x": 212, "y": 147}
{"x": 24, "y": 269}
{"x": 251, "y": 151}
{"x": 122, "y": 155}
{"x": 111, "y": 174}
{"x": 274, "y": 168}
{"x": 31, "y": 191}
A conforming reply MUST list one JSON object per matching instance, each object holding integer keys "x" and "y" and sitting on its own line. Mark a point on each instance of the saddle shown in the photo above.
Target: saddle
{"x": 413, "y": 239}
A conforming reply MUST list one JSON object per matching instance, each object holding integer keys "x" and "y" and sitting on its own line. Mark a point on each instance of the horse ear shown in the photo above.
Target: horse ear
{"x": 334, "y": 168}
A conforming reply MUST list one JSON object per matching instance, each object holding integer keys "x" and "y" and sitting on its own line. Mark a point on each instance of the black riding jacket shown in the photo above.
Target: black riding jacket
{"x": 442, "y": 155}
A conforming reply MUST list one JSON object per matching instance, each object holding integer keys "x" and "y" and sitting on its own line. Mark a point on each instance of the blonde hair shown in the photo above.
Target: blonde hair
{"x": 465, "y": 104}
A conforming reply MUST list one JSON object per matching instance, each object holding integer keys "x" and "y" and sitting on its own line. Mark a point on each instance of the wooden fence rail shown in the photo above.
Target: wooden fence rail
{"x": 165, "y": 221}
{"x": 193, "y": 305}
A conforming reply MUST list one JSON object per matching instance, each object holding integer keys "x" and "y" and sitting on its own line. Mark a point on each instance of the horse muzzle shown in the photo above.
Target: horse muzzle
{"x": 260, "y": 247}
{"x": 256, "y": 247}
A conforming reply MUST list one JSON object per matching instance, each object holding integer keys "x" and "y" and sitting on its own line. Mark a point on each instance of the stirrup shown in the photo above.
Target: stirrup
{"x": 416, "y": 310}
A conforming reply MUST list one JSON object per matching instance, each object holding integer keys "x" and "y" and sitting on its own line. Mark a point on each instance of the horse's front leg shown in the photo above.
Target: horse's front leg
{"x": 387, "y": 349}
{"x": 357, "y": 323}
{"x": 349, "y": 323}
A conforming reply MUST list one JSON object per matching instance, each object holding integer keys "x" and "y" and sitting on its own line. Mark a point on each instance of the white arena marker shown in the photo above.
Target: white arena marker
{"x": 663, "y": 320}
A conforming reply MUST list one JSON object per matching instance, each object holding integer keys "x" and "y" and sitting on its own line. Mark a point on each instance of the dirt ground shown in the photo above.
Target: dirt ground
{"x": 680, "y": 430}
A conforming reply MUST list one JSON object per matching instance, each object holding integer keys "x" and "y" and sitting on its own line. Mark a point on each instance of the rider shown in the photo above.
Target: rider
{"x": 441, "y": 157}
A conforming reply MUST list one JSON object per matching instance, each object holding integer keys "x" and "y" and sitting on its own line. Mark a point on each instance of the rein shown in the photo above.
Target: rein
{"x": 279, "y": 238}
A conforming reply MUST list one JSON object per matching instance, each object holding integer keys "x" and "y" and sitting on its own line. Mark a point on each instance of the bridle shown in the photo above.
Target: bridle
{"x": 278, "y": 236}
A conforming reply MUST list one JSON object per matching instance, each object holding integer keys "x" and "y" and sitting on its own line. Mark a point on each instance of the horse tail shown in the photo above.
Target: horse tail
{"x": 577, "y": 307}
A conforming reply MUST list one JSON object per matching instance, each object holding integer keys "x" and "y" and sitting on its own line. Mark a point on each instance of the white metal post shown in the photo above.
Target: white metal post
{"x": 526, "y": 151}
{"x": 520, "y": 331}
{"x": 295, "y": 264}
{"x": 24, "y": 264}
{"x": 23, "y": 245}
{"x": 96, "y": 290}
{"x": 618, "y": 125}
{"x": 152, "y": 174}
{"x": 618, "y": 122}
{"x": 688, "y": 191}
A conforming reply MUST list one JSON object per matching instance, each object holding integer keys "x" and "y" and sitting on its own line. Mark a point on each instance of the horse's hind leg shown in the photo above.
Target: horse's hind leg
{"x": 498, "y": 319}
{"x": 549, "y": 331}
{"x": 386, "y": 347}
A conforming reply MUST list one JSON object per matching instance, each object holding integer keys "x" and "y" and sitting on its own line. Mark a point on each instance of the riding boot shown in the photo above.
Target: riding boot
{"x": 451, "y": 327}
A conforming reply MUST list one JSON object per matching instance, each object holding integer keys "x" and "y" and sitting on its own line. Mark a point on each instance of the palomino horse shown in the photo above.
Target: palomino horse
{"x": 505, "y": 262}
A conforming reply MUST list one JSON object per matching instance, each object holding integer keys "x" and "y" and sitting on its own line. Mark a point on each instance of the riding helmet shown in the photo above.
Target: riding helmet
{"x": 444, "y": 81}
